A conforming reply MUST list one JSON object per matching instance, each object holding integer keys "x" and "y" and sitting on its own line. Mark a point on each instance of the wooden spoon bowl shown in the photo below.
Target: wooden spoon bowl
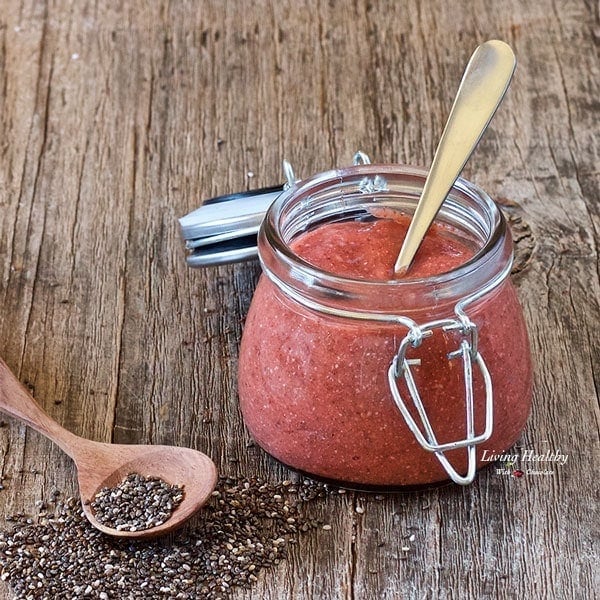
{"x": 187, "y": 468}
{"x": 102, "y": 465}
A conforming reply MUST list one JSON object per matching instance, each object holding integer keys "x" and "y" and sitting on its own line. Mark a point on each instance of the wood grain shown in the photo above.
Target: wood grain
{"x": 116, "y": 118}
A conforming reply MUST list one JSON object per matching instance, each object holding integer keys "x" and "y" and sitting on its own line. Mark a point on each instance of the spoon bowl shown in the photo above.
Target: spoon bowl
{"x": 187, "y": 468}
{"x": 102, "y": 465}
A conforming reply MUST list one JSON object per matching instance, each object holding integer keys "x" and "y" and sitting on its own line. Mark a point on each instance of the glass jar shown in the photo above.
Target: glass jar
{"x": 379, "y": 383}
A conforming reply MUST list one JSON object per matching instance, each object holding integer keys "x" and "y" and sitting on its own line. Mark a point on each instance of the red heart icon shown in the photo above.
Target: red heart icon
{"x": 518, "y": 473}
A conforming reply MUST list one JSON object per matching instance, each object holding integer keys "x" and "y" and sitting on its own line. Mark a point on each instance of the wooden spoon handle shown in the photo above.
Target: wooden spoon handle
{"x": 16, "y": 401}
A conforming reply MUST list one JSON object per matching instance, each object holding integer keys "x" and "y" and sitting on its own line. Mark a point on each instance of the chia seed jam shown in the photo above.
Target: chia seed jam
{"x": 321, "y": 334}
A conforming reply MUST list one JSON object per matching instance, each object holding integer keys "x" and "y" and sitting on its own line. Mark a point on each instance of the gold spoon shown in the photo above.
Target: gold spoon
{"x": 106, "y": 465}
{"x": 481, "y": 90}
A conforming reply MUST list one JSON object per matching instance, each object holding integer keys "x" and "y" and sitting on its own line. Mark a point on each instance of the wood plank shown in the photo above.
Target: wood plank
{"x": 115, "y": 119}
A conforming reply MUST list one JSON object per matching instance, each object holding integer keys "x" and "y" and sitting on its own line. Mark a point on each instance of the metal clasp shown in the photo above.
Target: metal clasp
{"x": 423, "y": 432}
{"x": 290, "y": 178}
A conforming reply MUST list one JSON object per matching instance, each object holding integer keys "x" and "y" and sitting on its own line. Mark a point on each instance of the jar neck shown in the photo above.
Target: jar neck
{"x": 365, "y": 190}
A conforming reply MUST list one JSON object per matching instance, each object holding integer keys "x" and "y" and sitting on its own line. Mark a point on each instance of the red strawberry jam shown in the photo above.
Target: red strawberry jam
{"x": 313, "y": 386}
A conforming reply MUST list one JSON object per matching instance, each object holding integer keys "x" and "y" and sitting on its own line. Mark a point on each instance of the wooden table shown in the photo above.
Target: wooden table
{"x": 116, "y": 118}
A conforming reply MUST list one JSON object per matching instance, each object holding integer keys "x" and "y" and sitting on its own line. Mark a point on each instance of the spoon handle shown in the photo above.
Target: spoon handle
{"x": 481, "y": 90}
{"x": 17, "y": 402}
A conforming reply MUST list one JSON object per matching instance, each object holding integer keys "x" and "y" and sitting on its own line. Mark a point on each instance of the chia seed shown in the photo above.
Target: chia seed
{"x": 243, "y": 529}
{"x": 137, "y": 503}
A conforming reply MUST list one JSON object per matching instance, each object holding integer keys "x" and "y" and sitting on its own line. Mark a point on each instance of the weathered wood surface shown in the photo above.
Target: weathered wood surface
{"x": 115, "y": 118}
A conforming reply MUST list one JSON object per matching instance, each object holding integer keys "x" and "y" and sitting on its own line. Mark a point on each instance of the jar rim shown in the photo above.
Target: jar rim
{"x": 271, "y": 233}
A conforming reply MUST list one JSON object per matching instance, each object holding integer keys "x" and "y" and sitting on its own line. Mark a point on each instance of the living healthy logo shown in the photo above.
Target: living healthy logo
{"x": 526, "y": 462}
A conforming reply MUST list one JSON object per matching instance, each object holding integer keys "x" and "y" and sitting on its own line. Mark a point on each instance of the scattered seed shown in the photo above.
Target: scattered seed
{"x": 241, "y": 530}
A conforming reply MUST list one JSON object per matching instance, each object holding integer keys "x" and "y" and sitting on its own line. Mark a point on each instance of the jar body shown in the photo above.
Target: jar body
{"x": 314, "y": 390}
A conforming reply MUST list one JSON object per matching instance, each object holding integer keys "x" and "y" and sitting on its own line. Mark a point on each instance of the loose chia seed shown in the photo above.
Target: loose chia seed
{"x": 137, "y": 503}
{"x": 245, "y": 527}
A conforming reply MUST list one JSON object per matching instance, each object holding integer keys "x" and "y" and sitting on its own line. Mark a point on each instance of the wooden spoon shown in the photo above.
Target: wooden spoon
{"x": 106, "y": 465}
